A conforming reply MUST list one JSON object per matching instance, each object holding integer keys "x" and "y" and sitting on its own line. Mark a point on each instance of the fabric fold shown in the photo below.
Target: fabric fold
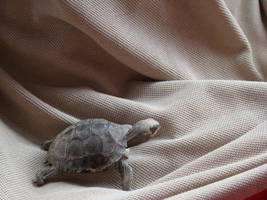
{"x": 198, "y": 67}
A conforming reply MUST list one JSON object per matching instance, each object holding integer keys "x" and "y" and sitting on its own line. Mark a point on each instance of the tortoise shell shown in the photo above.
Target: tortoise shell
{"x": 88, "y": 146}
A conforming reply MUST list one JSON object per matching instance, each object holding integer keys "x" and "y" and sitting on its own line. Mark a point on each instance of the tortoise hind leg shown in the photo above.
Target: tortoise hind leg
{"x": 126, "y": 174}
{"x": 46, "y": 144}
{"x": 43, "y": 174}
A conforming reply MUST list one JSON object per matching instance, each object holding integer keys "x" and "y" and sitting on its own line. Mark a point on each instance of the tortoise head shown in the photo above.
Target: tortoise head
{"x": 148, "y": 126}
{"x": 142, "y": 131}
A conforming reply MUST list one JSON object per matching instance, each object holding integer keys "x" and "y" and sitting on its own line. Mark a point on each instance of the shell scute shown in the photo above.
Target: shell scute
{"x": 75, "y": 149}
{"x": 93, "y": 145}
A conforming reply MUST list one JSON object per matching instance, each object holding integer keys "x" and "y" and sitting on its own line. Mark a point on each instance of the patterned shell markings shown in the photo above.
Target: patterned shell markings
{"x": 89, "y": 144}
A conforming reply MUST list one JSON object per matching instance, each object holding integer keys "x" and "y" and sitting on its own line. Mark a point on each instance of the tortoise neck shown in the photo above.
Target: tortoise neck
{"x": 133, "y": 132}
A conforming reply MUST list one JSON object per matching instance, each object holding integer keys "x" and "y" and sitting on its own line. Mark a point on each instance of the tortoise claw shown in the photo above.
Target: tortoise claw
{"x": 46, "y": 144}
{"x": 38, "y": 182}
{"x": 45, "y": 162}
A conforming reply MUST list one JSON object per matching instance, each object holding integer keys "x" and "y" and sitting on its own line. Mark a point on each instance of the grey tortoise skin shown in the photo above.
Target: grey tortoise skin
{"x": 95, "y": 145}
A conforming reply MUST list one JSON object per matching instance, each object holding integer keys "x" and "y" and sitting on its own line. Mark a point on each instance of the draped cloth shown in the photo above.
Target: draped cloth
{"x": 198, "y": 67}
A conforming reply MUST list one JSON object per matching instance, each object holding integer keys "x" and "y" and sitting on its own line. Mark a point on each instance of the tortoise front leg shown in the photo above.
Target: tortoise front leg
{"x": 46, "y": 144}
{"x": 43, "y": 174}
{"x": 126, "y": 174}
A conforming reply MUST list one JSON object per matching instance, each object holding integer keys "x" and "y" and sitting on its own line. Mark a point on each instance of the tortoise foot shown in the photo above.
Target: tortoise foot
{"x": 38, "y": 182}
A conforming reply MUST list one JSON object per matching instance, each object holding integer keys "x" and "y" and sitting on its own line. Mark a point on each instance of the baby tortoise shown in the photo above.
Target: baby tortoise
{"x": 95, "y": 145}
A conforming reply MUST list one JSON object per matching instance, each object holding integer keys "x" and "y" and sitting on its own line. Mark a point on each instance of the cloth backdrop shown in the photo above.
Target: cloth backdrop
{"x": 198, "y": 67}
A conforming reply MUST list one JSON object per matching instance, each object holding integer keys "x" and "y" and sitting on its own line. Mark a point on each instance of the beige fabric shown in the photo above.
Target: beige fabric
{"x": 199, "y": 67}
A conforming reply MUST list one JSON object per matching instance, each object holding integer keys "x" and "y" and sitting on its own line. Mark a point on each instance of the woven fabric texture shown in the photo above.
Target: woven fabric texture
{"x": 198, "y": 67}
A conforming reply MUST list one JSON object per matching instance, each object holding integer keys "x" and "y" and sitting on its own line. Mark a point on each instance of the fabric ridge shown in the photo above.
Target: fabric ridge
{"x": 198, "y": 67}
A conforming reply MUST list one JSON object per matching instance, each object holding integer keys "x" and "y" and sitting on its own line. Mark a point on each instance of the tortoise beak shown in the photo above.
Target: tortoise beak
{"x": 154, "y": 129}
